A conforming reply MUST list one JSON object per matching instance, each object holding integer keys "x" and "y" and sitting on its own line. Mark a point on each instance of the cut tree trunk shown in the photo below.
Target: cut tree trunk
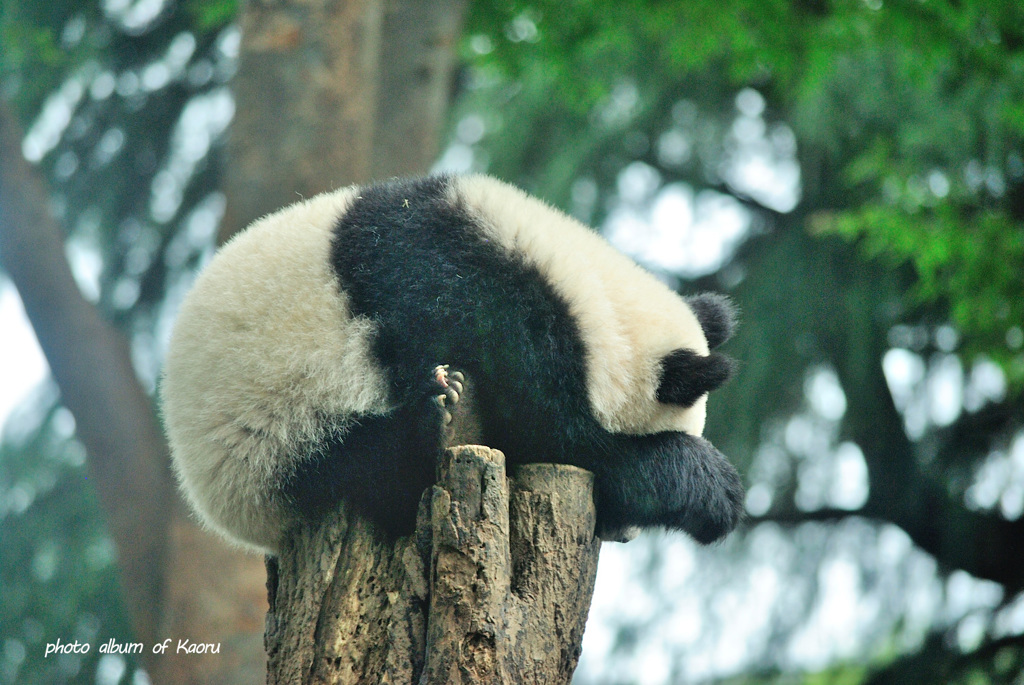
{"x": 494, "y": 586}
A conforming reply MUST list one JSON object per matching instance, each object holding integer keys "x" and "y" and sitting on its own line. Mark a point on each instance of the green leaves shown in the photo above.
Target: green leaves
{"x": 211, "y": 15}
{"x": 969, "y": 257}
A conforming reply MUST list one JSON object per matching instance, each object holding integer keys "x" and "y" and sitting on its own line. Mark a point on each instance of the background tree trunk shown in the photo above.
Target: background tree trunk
{"x": 305, "y": 93}
{"x": 333, "y": 93}
{"x": 494, "y": 586}
{"x": 415, "y": 83}
{"x": 215, "y": 594}
{"x": 91, "y": 362}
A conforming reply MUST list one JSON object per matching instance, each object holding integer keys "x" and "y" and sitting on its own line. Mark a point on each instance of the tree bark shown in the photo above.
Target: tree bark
{"x": 415, "y": 83}
{"x": 305, "y": 90}
{"x": 91, "y": 362}
{"x": 334, "y": 93}
{"x": 493, "y": 587}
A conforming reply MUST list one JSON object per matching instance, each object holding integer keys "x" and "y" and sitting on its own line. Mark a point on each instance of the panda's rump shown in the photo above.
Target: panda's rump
{"x": 265, "y": 357}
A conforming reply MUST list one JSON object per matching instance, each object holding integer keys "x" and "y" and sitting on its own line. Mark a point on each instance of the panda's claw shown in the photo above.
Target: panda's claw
{"x": 450, "y": 391}
{"x": 450, "y": 384}
{"x": 440, "y": 401}
{"x": 440, "y": 374}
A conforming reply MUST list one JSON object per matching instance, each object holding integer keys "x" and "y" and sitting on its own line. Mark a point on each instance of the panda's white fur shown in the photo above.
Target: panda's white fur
{"x": 262, "y": 348}
{"x": 265, "y": 348}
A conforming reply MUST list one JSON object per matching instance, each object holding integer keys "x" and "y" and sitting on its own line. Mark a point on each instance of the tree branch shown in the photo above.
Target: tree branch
{"x": 91, "y": 364}
{"x": 917, "y": 498}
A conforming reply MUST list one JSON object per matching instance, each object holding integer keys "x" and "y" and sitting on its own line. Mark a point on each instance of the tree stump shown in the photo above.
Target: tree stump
{"x": 494, "y": 586}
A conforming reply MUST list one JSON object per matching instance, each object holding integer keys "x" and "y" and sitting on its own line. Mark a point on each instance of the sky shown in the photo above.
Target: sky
{"x": 22, "y": 364}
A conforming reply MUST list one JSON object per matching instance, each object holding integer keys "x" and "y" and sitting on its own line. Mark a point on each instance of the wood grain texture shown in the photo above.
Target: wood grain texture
{"x": 494, "y": 587}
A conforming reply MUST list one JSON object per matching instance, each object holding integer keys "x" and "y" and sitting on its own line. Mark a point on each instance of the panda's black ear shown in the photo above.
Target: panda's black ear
{"x": 717, "y": 316}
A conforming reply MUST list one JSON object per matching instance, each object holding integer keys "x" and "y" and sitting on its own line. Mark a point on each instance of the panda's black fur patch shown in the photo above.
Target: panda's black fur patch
{"x": 440, "y": 292}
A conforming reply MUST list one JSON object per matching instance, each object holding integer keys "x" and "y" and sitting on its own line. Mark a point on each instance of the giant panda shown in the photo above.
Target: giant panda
{"x": 320, "y": 354}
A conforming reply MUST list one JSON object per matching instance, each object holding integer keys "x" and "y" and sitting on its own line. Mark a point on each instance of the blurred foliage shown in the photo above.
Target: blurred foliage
{"x": 908, "y": 136}
{"x": 110, "y": 82}
{"x": 32, "y": 58}
{"x": 58, "y": 566}
{"x": 210, "y": 15}
{"x": 971, "y": 256}
{"x": 126, "y": 95}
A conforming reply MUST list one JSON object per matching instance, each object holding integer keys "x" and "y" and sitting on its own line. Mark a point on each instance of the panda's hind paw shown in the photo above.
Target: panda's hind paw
{"x": 451, "y": 394}
{"x": 448, "y": 387}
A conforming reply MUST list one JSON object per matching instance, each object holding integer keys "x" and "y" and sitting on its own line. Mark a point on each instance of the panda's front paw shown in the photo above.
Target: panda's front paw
{"x": 714, "y": 502}
{"x": 675, "y": 480}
